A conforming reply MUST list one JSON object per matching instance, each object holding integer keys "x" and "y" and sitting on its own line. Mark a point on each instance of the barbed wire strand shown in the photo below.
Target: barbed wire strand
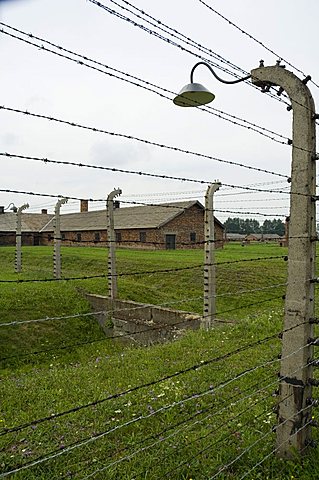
{"x": 208, "y": 109}
{"x": 221, "y": 439}
{"x": 277, "y": 448}
{"x": 187, "y": 461}
{"x": 194, "y": 367}
{"x": 149, "y": 272}
{"x": 240, "y": 187}
{"x": 176, "y": 432}
{"x": 174, "y": 43}
{"x": 255, "y": 39}
{"x": 136, "y": 419}
{"x": 148, "y": 329}
{"x": 156, "y": 34}
{"x": 117, "y": 310}
{"x": 259, "y": 440}
{"x": 138, "y": 139}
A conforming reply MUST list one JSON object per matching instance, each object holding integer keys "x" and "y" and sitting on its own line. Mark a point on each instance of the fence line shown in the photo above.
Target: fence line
{"x": 116, "y": 310}
{"x": 195, "y": 367}
{"x": 161, "y": 440}
{"x": 134, "y": 420}
{"x": 200, "y": 412}
{"x": 149, "y": 272}
{"x": 148, "y": 384}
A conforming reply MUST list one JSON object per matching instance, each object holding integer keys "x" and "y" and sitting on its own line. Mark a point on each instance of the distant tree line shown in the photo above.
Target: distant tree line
{"x": 250, "y": 225}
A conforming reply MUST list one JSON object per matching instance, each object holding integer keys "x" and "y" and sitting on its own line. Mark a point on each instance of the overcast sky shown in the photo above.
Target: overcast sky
{"x": 40, "y": 82}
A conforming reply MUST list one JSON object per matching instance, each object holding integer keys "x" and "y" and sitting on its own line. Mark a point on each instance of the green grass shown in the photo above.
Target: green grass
{"x": 204, "y": 433}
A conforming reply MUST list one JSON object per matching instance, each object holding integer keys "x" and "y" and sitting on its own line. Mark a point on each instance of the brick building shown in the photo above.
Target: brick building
{"x": 164, "y": 226}
{"x": 31, "y": 224}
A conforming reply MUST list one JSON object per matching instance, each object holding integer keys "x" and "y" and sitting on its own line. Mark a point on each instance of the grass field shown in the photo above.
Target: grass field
{"x": 190, "y": 426}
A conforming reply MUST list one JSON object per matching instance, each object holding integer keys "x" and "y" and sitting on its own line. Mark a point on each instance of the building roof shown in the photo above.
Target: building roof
{"x": 141, "y": 217}
{"x": 233, "y": 236}
{"x": 260, "y": 236}
{"x": 30, "y": 222}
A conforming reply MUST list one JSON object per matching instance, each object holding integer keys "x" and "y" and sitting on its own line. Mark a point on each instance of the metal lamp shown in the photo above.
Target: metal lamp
{"x": 195, "y": 94}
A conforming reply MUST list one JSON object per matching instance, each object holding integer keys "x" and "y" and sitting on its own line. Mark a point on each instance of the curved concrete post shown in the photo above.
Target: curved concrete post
{"x": 18, "y": 253}
{"x": 57, "y": 239}
{"x": 112, "y": 278}
{"x": 293, "y": 431}
{"x": 209, "y": 266}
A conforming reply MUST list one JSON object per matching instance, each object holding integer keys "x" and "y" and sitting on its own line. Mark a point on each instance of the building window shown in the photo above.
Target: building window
{"x": 50, "y": 237}
{"x": 78, "y": 237}
{"x": 118, "y": 237}
{"x": 142, "y": 237}
{"x": 192, "y": 236}
{"x": 97, "y": 236}
{"x": 63, "y": 236}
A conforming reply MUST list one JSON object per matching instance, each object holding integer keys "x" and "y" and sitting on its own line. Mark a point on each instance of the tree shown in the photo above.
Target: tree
{"x": 243, "y": 226}
{"x": 274, "y": 226}
{"x": 250, "y": 225}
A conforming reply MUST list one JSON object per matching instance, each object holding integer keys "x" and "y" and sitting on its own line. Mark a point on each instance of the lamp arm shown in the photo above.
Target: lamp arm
{"x": 216, "y": 76}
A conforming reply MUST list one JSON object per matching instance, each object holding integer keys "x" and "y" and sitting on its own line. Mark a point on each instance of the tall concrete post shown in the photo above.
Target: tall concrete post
{"x": 209, "y": 313}
{"x": 112, "y": 278}
{"x": 18, "y": 253}
{"x": 57, "y": 238}
{"x": 295, "y": 371}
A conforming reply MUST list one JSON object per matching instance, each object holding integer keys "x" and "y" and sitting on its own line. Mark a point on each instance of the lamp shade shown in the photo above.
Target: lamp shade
{"x": 193, "y": 95}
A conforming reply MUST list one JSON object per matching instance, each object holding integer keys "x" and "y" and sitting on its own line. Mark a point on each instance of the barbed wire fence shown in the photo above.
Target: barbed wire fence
{"x": 186, "y": 426}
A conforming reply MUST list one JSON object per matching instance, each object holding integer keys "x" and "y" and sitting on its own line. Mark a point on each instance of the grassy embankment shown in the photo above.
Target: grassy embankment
{"x": 204, "y": 433}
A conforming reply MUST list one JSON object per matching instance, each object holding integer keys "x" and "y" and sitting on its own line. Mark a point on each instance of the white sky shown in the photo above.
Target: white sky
{"x": 44, "y": 83}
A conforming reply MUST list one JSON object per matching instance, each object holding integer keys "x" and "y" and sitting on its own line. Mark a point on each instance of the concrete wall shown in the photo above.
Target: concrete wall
{"x": 141, "y": 323}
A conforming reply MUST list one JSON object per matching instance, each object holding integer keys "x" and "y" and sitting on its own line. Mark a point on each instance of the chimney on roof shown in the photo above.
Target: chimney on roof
{"x": 84, "y": 206}
{"x": 116, "y": 204}
{"x": 44, "y": 211}
{"x": 1, "y": 209}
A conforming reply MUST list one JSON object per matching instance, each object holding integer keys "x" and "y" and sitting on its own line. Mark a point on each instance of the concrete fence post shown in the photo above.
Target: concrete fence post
{"x": 57, "y": 238}
{"x": 18, "y": 252}
{"x": 294, "y": 415}
{"x": 112, "y": 278}
{"x": 209, "y": 312}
